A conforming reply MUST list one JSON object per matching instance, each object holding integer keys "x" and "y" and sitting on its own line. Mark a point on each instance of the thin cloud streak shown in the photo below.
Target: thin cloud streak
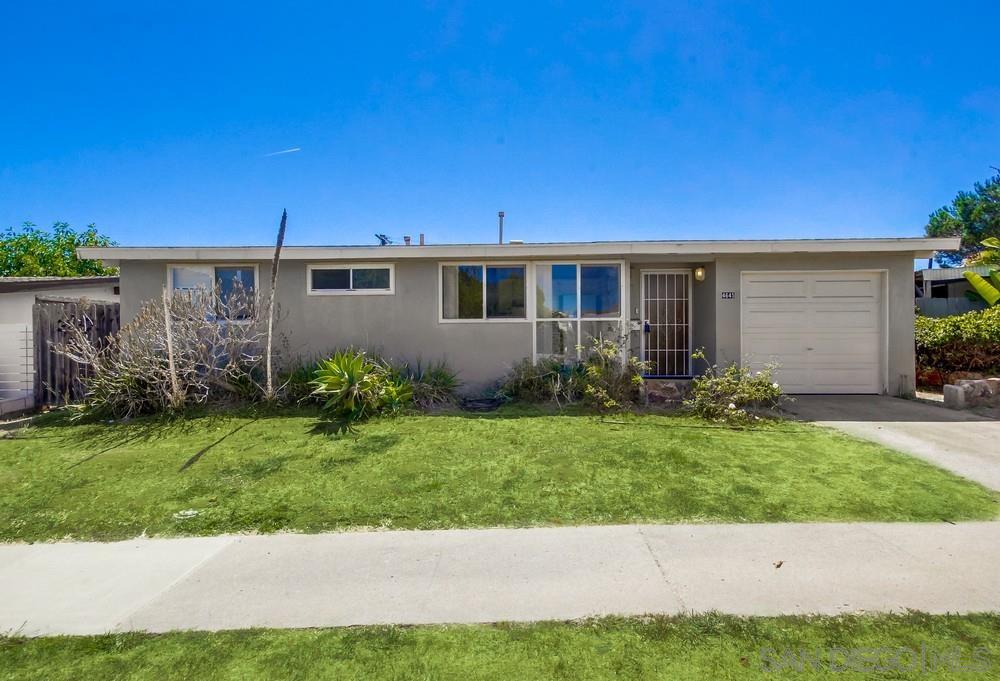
{"x": 283, "y": 151}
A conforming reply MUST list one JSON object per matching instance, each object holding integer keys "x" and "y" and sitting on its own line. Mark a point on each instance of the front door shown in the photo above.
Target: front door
{"x": 666, "y": 325}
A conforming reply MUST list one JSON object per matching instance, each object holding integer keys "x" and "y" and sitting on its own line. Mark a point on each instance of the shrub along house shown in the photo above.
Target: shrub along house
{"x": 836, "y": 314}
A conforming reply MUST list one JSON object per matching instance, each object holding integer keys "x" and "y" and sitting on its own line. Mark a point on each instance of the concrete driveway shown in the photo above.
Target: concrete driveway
{"x": 964, "y": 443}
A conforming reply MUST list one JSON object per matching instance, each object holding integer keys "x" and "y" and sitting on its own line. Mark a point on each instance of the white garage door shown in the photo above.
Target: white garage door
{"x": 824, "y": 329}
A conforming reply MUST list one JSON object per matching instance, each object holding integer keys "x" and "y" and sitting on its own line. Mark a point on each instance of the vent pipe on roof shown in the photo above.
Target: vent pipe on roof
{"x": 406, "y": 240}
{"x": 421, "y": 239}
{"x": 500, "y": 216}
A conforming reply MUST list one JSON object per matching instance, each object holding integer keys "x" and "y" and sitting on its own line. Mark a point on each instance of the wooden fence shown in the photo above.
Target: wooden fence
{"x": 57, "y": 378}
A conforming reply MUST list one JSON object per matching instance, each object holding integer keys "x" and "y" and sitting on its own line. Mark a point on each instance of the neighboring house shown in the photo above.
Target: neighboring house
{"x": 17, "y": 296}
{"x": 837, "y": 314}
{"x": 942, "y": 292}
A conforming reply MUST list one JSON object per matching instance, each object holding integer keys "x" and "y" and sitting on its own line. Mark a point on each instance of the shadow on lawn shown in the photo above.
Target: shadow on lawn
{"x": 109, "y": 435}
{"x": 194, "y": 459}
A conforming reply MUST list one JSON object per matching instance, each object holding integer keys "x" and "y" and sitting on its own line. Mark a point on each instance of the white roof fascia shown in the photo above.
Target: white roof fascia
{"x": 918, "y": 246}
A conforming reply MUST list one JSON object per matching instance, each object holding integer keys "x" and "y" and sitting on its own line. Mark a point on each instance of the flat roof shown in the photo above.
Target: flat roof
{"x": 920, "y": 247}
{"x": 8, "y": 284}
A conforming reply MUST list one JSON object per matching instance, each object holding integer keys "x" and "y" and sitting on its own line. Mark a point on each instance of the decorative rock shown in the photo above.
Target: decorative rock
{"x": 954, "y": 397}
{"x": 665, "y": 391}
{"x": 970, "y": 392}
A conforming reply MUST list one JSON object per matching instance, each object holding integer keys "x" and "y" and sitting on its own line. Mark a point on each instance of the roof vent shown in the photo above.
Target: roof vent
{"x": 516, "y": 242}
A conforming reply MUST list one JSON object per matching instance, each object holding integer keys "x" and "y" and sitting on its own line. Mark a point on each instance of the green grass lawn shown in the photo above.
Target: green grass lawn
{"x": 699, "y": 647}
{"x": 519, "y": 467}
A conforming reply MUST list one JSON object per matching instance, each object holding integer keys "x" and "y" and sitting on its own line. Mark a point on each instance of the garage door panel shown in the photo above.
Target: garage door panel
{"x": 792, "y": 379}
{"x": 785, "y": 347}
{"x": 849, "y": 318}
{"x": 845, "y": 288}
{"x": 823, "y": 329}
{"x": 765, "y": 288}
{"x": 769, "y": 317}
{"x": 821, "y": 355}
{"x": 833, "y": 380}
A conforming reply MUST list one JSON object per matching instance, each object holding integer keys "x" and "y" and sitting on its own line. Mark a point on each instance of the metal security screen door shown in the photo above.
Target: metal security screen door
{"x": 666, "y": 326}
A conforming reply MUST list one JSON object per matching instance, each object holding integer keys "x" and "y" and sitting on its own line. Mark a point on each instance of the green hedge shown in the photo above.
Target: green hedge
{"x": 966, "y": 342}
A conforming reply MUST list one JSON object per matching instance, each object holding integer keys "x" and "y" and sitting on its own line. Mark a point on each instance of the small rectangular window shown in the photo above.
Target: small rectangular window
{"x": 600, "y": 291}
{"x": 370, "y": 278}
{"x": 236, "y": 289}
{"x": 462, "y": 291}
{"x": 505, "y": 292}
{"x": 331, "y": 280}
{"x": 191, "y": 278}
{"x": 556, "y": 338}
{"x": 233, "y": 280}
{"x": 556, "y": 291}
{"x": 350, "y": 279}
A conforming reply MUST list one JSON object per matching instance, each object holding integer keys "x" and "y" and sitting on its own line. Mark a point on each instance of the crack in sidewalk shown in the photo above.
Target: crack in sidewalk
{"x": 659, "y": 566}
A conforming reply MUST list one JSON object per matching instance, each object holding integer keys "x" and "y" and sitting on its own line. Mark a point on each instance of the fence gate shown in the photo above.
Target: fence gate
{"x": 57, "y": 378}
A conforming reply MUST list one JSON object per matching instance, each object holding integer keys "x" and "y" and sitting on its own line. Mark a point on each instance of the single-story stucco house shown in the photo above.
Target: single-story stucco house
{"x": 836, "y": 314}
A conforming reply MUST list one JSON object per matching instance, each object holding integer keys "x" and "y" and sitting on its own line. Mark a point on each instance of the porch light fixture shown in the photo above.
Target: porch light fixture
{"x": 699, "y": 274}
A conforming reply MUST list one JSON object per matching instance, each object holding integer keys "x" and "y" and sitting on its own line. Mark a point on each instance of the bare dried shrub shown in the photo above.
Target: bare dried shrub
{"x": 190, "y": 348}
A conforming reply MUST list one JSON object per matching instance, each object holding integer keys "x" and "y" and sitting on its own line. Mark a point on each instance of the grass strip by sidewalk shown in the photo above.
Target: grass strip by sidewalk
{"x": 691, "y": 647}
{"x": 522, "y": 466}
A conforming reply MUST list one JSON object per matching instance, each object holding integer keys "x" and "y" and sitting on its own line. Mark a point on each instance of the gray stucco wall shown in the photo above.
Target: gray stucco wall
{"x": 899, "y": 303}
{"x": 141, "y": 280}
{"x": 405, "y": 326}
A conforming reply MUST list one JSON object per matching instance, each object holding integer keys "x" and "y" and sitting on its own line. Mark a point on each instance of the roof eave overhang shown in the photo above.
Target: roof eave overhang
{"x": 920, "y": 248}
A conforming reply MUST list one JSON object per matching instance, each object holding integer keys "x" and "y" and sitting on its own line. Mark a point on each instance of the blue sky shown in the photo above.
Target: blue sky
{"x": 581, "y": 120}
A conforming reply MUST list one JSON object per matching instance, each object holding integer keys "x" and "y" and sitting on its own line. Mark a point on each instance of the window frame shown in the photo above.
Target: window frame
{"x": 528, "y": 281}
{"x": 350, "y": 267}
{"x": 212, "y": 266}
{"x": 531, "y": 313}
{"x": 623, "y": 302}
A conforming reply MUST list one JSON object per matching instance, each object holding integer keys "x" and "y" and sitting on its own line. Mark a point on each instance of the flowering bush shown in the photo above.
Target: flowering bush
{"x": 733, "y": 395}
{"x": 609, "y": 381}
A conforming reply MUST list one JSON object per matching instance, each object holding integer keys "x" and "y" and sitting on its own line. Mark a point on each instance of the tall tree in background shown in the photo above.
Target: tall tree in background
{"x": 974, "y": 216}
{"x": 33, "y": 252}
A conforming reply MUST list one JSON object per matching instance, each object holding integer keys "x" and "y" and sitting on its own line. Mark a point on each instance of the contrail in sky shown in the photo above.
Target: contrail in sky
{"x": 283, "y": 151}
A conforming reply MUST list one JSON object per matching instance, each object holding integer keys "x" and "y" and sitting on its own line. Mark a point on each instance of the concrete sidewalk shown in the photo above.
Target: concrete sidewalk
{"x": 492, "y": 575}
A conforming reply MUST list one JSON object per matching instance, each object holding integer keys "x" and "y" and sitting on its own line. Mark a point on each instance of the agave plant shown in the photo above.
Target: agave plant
{"x": 355, "y": 387}
{"x": 987, "y": 289}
